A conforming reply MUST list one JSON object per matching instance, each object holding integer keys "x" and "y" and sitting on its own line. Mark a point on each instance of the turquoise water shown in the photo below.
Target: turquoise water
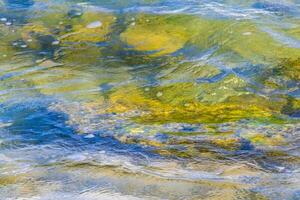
{"x": 149, "y": 99}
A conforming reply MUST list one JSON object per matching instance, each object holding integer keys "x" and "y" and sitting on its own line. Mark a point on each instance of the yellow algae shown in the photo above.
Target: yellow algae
{"x": 175, "y": 94}
{"x": 34, "y": 28}
{"x": 130, "y": 99}
{"x": 55, "y": 79}
{"x": 221, "y": 90}
{"x": 31, "y": 32}
{"x": 80, "y": 55}
{"x": 187, "y": 71}
{"x": 262, "y": 139}
{"x": 6, "y": 53}
{"x": 59, "y": 29}
{"x": 227, "y": 143}
{"x": 46, "y": 23}
{"x": 289, "y": 68}
{"x": 8, "y": 35}
{"x": 293, "y": 31}
{"x": 60, "y": 82}
{"x": 155, "y": 34}
{"x": 165, "y": 34}
{"x": 8, "y": 180}
{"x": 155, "y": 110}
{"x": 12, "y": 179}
{"x": 252, "y": 43}
{"x": 90, "y": 27}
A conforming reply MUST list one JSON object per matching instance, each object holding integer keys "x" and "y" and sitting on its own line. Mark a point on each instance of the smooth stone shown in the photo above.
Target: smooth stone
{"x": 95, "y": 24}
{"x": 89, "y": 136}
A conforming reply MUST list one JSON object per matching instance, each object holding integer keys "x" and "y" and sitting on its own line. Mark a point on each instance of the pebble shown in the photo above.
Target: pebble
{"x": 3, "y": 19}
{"x": 95, "y": 24}
{"x": 247, "y": 33}
{"x": 56, "y": 42}
{"x": 48, "y": 63}
{"x": 3, "y": 125}
{"x": 89, "y": 136}
{"x": 159, "y": 94}
{"x": 23, "y": 45}
{"x": 8, "y": 23}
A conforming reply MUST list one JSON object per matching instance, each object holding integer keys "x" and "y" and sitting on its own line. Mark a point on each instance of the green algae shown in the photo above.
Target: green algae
{"x": 199, "y": 133}
{"x": 65, "y": 81}
{"x": 265, "y": 140}
{"x": 289, "y": 68}
{"x": 62, "y": 46}
{"x": 10, "y": 45}
{"x": 165, "y": 34}
{"x": 152, "y": 33}
{"x": 84, "y": 31}
{"x": 221, "y": 90}
{"x": 284, "y": 75}
{"x": 224, "y": 101}
{"x": 80, "y": 55}
{"x": 253, "y": 44}
{"x": 191, "y": 111}
{"x": 188, "y": 71}
{"x": 61, "y": 29}
{"x": 6, "y": 53}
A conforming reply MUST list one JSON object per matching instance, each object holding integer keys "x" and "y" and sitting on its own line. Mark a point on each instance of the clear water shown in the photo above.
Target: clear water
{"x": 149, "y": 99}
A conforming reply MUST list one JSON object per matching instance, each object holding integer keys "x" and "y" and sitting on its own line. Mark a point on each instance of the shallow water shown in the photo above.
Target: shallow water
{"x": 149, "y": 99}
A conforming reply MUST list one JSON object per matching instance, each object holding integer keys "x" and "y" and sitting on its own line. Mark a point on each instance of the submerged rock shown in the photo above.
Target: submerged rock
{"x": 49, "y": 32}
{"x": 95, "y": 24}
{"x": 165, "y": 34}
{"x": 158, "y": 34}
{"x": 90, "y": 27}
{"x": 180, "y": 104}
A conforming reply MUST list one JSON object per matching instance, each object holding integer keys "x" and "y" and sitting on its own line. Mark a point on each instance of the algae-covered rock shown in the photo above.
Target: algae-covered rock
{"x": 289, "y": 68}
{"x": 9, "y": 46}
{"x": 90, "y": 27}
{"x": 252, "y": 43}
{"x": 227, "y": 143}
{"x": 50, "y": 30}
{"x": 162, "y": 107}
{"x": 165, "y": 34}
{"x": 292, "y": 107}
{"x": 282, "y": 76}
{"x": 6, "y": 53}
{"x": 158, "y": 34}
{"x": 186, "y": 72}
{"x": 64, "y": 81}
{"x": 80, "y": 55}
{"x": 265, "y": 140}
{"x": 221, "y": 90}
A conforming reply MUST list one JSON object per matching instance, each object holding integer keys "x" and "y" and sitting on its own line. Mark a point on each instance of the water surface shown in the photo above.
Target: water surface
{"x": 151, "y": 99}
